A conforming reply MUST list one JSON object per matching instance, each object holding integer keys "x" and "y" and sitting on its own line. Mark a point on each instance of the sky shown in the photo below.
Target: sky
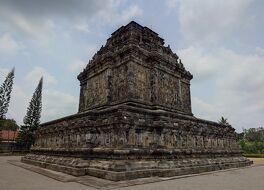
{"x": 220, "y": 42}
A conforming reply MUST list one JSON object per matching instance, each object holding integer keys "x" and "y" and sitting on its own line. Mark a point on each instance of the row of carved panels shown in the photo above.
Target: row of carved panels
{"x": 127, "y": 120}
{"x": 138, "y": 83}
{"x": 126, "y": 53}
{"x": 133, "y": 137}
{"x": 202, "y": 131}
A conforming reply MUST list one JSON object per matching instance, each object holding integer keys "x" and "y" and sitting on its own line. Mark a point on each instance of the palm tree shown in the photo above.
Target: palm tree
{"x": 223, "y": 121}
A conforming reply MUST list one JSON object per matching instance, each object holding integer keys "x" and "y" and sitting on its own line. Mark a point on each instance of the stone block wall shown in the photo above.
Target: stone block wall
{"x": 130, "y": 68}
{"x": 127, "y": 129}
{"x": 135, "y": 118}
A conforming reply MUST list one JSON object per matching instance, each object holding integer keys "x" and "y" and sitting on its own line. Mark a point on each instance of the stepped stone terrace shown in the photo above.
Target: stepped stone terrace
{"x": 135, "y": 118}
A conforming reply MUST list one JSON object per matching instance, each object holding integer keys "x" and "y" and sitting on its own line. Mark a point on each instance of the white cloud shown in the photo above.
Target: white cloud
{"x": 172, "y": 3}
{"x": 90, "y": 49}
{"x": 18, "y": 104}
{"x": 82, "y": 27}
{"x": 201, "y": 63}
{"x": 31, "y": 28}
{"x": 77, "y": 66}
{"x": 8, "y": 45}
{"x": 111, "y": 16}
{"x": 57, "y": 104}
{"x": 3, "y": 73}
{"x": 211, "y": 20}
{"x": 47, "y": 24}
{"x": 18, "y": 101}
{"x": 132, "y": 12}
{"x": 236, "y": 85}
{"x": 203, "y": 109}
{"x": 35, "y": 75}
{"x": 42, "y": 22}
{"x": 260, "y": 51}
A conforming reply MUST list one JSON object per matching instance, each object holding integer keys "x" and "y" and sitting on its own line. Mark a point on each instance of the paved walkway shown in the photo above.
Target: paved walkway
{"x": 17, "y": 178}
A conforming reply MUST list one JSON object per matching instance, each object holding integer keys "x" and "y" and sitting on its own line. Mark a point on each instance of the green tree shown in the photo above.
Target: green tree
{"x": 25, "y": 137}
{"x": 254, "y": 134}
{"x": 8, "y": 124}
{"x": 223, "y": 121}
{"x": 32, "y": 118}
{"x": 5, "y": 93}
{"x": 253, "y": 141}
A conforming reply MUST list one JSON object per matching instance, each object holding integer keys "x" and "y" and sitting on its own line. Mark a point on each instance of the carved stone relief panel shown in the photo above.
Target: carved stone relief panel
{"x": 82, "y": 97}
{"x": 167, "y": 89}
{"x": 96, "y": 91}
{"x": 186, "y": 99}
{"x": 185, "y": 135}
{"x": 141, "y": 88}
{"x": 119, "y": 83}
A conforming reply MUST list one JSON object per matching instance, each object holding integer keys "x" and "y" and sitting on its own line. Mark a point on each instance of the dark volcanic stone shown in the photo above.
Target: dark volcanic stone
{"x": 135, "y": 118}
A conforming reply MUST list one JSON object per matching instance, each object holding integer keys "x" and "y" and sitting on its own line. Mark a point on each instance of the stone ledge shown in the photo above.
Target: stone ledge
{"x": 137, "y": 151}
{"x": 134, "y": 171}
{"x": 129, "y": 175}
{"x": 100, "y": 183}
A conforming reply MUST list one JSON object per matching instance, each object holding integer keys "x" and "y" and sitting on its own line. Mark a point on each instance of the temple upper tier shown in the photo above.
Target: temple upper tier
{"x": 134, "y": 67}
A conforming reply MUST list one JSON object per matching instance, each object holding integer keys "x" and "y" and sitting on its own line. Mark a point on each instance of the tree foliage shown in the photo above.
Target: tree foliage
{"x": 25, "y": 136}
{"x": 5, "y": 93}
{"x": 253, "y": 141}
{"x": 254, "y": 134}
{"x": 8, "y": 124}
{"x": 32, "y": 118}
{"x": 223, "y": 121}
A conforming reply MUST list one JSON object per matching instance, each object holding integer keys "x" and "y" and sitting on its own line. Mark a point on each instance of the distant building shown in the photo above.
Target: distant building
{"x": 8, "y": 135}
{"x": 7, "y": 140}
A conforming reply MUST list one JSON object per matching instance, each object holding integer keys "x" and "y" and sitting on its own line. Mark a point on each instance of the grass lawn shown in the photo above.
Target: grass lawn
{"x": 257, "y": 160}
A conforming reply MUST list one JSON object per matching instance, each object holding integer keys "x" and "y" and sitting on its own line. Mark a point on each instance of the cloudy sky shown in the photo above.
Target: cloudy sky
{"x": 220, "y": 42}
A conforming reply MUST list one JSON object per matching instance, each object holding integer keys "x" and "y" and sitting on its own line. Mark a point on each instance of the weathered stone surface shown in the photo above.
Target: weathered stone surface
{"x": 134, "y": 66}
{"x": 135, "y": 118}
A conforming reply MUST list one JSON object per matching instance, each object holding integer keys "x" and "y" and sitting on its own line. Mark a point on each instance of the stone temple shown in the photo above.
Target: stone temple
{"x": 135, "y": 118}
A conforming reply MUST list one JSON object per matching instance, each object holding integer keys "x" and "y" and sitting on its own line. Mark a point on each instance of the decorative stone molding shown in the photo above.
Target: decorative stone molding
{"x": 135, "y": 118}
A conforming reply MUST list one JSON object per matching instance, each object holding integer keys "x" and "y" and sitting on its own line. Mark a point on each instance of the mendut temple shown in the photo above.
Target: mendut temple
{"x": 135, "y": 118}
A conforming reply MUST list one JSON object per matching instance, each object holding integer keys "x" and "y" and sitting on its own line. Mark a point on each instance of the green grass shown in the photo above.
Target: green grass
{"x": 254, "y": 155}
